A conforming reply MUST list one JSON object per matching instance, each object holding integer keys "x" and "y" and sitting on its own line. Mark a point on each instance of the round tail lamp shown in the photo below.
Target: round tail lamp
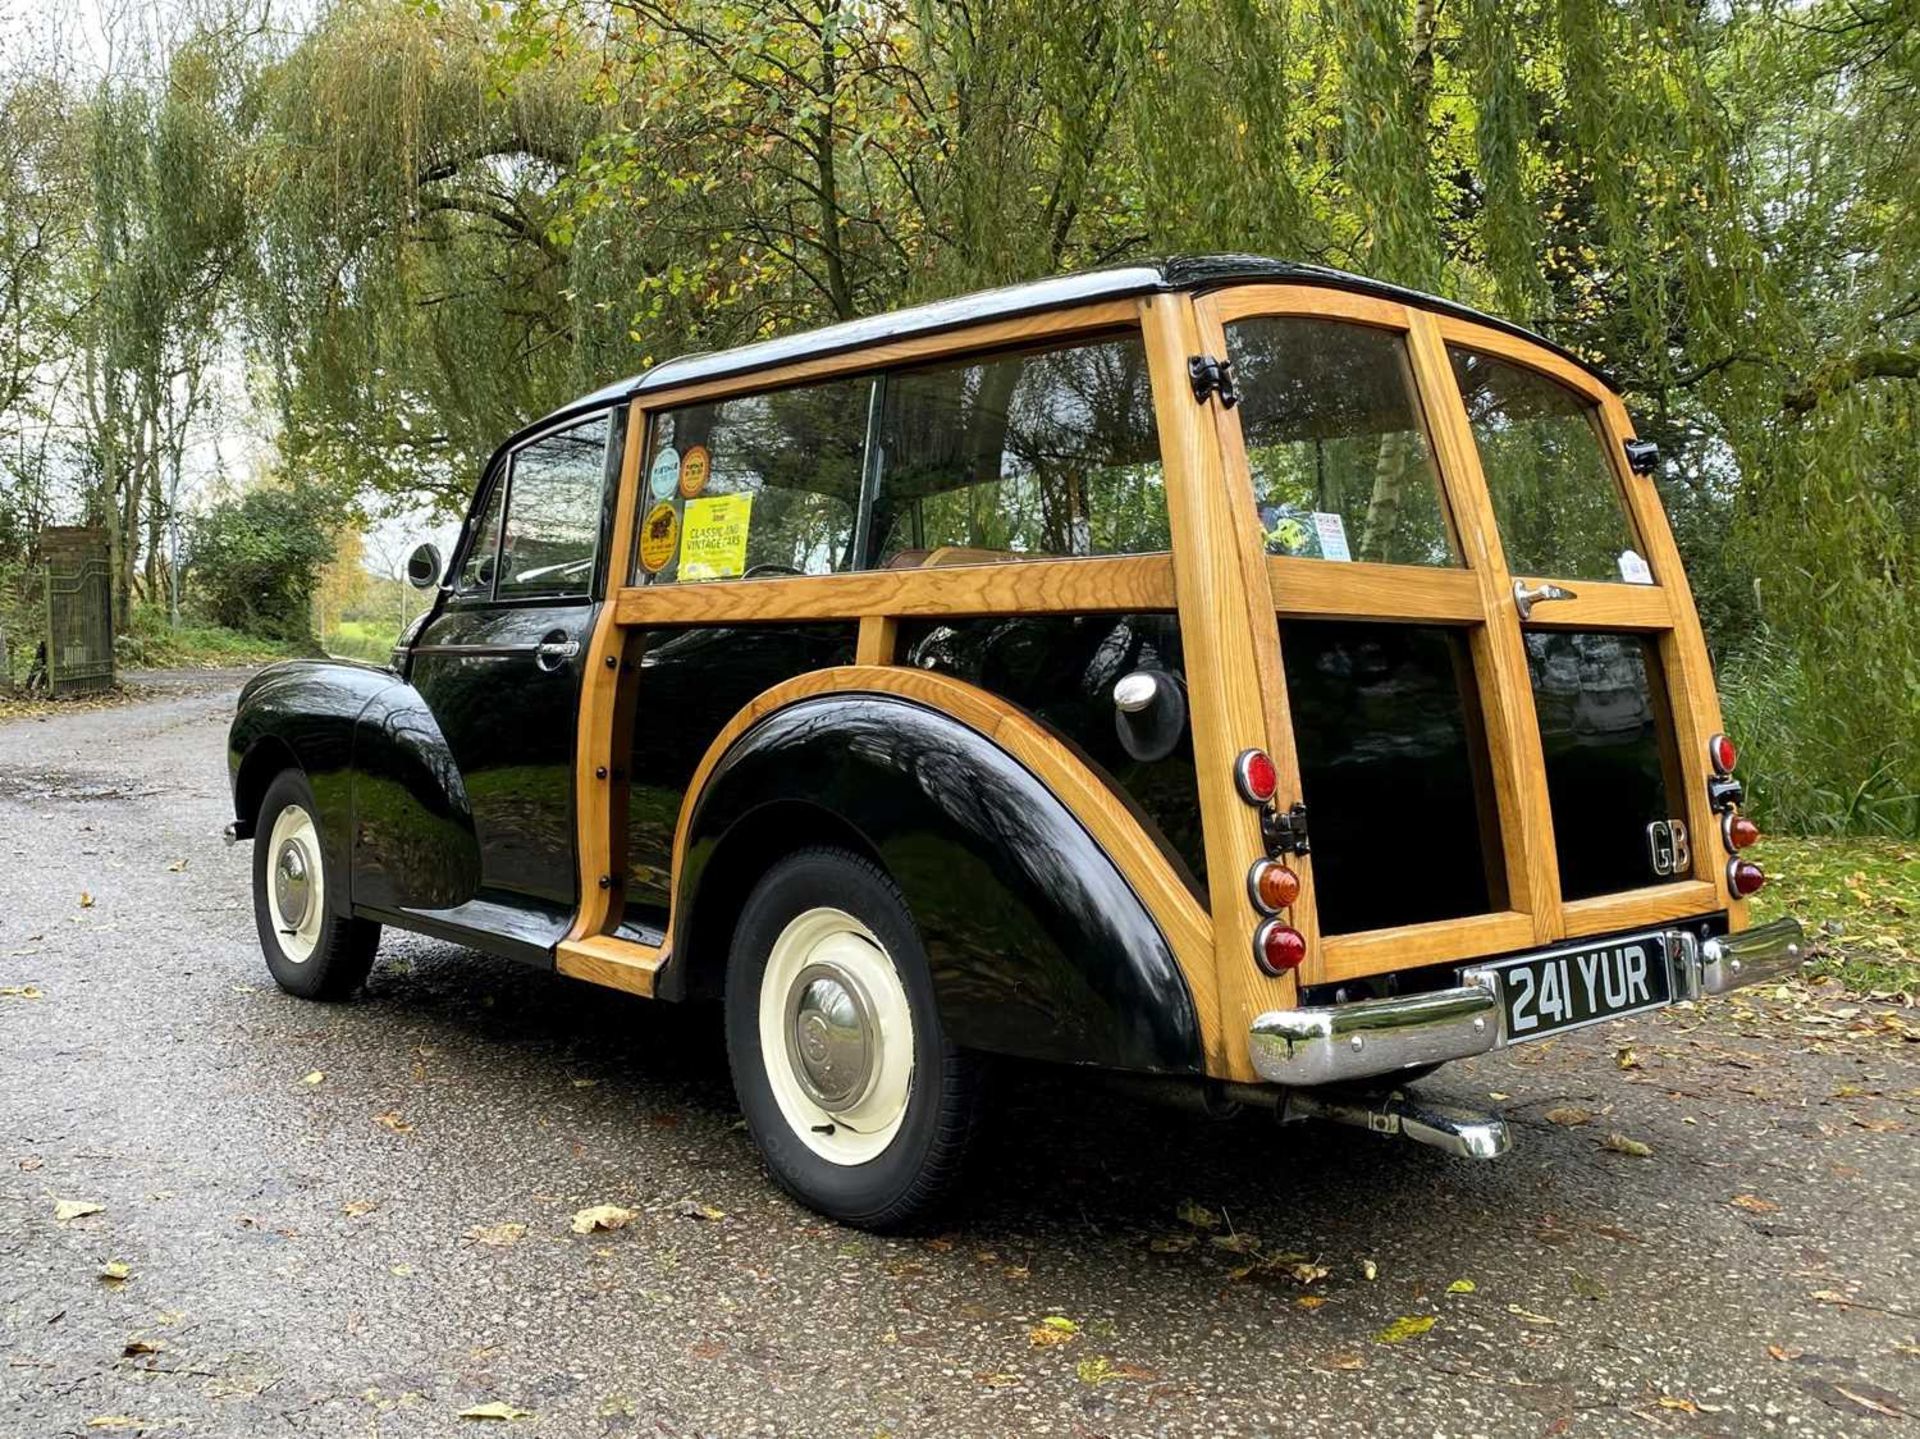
{"x": 1278, "y": 948}
{"x": 1738, "y": 831}
{"x": 1723, "y": 754}
{"x": 1256, "y": 776}
{"x": 1272, "y": 886}
{"x": 1744, "y": 877}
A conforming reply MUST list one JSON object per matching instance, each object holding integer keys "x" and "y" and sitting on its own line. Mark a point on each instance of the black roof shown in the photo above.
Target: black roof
{"x": 1191, "y": 272}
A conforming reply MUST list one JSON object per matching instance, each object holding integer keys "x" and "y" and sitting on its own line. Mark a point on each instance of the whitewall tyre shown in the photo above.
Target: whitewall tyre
{"x": 312, "y": 949}
{"x": 860, "y": 1105}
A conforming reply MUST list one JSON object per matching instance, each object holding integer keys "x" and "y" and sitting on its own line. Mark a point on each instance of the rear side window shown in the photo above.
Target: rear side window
{"x": 1336, "y": 446}
{"x": 765, "y": 484}
{"x": 1049, "y": 453}
{"x": 553, "y": 513}
{"x": 1553, "y": 491}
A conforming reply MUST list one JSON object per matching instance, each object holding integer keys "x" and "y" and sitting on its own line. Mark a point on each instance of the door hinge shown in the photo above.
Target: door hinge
{"x": 1285, "y": 833}
{"x": 1211, "y": 376}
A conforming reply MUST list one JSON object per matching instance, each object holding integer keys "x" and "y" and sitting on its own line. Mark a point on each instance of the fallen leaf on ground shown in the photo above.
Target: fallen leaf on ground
{"x": 995, "y": 1380}
{"x": 312, "y": 1076}
{"x": 1586, "y": 1286}
{"x": 1621, "y": 1144}
{"x": 601, "y": 1217}
{"x": 1625, "y": 1058}
{"x": 1830, "y": 1296}
{"x": 20, "y": 991}
{"x": 1054, "y": 1329}
{"x": 1345, "y": 1361}
{"x": 1307, "y": 1273}
{"x": 1241, "y": 1243}
{"x": 116, "y": 1421}
{"x": 1529, "y": 1316}
{"x": 354, "y": 1208}
{"x": 1754, "y": 1204}
{"x": 1461, "y": 1286}
{"x": 176, "y": 866}
{"x": 1311, "y": 1301}
{"x": 1369, "y": 1270}
{"x": 1407, "y": 1326}
{"x": 1686, "y": 1406}
{"x": 66, "y": 1209}
{"x": 496, "y": 1409}
{"x": 496, "y": 1236}
{"x": 693, "y": 1209}
{"x": 1197, "y": 1215}
{"x": 1568, "y": 1115}
{"x": 1782, "y": 1353}
{"x": 392, "y": 1120}
{"x": 1171, "y": 1243}
{"x": 134, "y": 1348}
{"x": 86, "y": 900}
{"x": 115, "y": 1272}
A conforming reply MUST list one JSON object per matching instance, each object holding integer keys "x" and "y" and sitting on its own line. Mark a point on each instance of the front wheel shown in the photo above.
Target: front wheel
{"x": 311, "y": 950}
{"x": 860, "y": 1105}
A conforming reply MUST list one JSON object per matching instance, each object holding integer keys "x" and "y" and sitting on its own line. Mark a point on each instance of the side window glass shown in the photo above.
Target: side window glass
{"x": 1047, "y": 453}
{"x": 553, "y": 513}
{"x": 760, "y": 485}
{"x": 1554, "y": 494}
{"x": 1337, "y": 451}
{"x": 476, "y": 570}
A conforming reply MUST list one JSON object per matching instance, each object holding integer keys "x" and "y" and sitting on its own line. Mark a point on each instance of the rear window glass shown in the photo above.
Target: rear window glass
{"x": 1543, "y": 451}
{"x": 1336, "y": 447}
{"x": 1047, "y": 453}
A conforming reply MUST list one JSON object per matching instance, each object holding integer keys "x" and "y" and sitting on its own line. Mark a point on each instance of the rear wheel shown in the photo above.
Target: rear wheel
{"x": 311, "y": 951}
{"x": 861, "y": 1106}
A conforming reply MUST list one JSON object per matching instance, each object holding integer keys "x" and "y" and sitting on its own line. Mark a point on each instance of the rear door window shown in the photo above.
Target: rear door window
{"x": 1336, "y": 445}
{"x": 1554, "y": 493}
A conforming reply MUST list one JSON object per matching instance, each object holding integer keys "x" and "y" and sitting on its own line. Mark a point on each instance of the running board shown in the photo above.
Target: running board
{"x": 1467, "y": 1133}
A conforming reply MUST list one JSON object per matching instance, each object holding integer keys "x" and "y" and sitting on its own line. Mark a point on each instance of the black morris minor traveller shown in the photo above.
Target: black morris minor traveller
{"x": 1229, "y": 672}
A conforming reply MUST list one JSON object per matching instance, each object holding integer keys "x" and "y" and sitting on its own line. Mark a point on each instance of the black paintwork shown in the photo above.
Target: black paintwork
{"x": 1061, "y": 669}
{"x": 1039, "y": 946}
{"x": 691, "y": 683}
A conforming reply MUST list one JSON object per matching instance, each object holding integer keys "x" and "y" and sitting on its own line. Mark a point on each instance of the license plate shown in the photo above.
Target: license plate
{"x": 1584, "y": 984}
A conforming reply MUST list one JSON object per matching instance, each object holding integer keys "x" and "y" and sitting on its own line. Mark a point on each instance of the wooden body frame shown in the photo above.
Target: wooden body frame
{"x": 1228, "y": 595}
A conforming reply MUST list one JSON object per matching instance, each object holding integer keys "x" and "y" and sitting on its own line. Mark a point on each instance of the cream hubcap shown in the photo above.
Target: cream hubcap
{"x": 296, "y": 885}
{"x": 836, "y": 1035}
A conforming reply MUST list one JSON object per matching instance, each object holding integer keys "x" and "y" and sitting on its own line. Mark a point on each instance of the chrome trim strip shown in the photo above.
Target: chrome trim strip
{"x": 1330, "y": 1044}
{"x": 476, "y": 651}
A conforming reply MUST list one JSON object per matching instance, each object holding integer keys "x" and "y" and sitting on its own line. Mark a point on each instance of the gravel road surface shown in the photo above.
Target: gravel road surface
{"x": 355, "y": 1219}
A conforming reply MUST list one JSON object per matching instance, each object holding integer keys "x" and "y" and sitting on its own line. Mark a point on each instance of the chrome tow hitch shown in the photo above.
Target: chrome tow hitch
{"x": 1467, "y": 1133}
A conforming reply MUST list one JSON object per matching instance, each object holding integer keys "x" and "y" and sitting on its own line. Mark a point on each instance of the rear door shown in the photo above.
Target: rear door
{"x": 1477, "y": 781}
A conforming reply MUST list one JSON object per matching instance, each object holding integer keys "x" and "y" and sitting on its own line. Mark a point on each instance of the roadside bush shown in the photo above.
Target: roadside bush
{"x": 254, "y": 560}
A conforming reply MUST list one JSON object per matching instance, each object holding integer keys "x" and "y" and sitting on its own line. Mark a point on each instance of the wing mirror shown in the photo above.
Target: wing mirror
{"x": 423, "y": 567}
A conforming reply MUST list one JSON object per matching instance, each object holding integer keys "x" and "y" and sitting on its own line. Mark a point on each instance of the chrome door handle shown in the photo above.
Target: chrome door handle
{"x": 555, "y": 650}
{"x": 1525, "y": 599}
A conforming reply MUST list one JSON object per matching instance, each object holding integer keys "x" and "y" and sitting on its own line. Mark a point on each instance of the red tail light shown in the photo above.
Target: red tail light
{"x": 1278, "y": 948}
{"x": 1256, "y": 776}
{"x": 1738, "y": 831}
{"x": 1273, "y": 886}
{"x": 1722, "y": 754}
{"x": 1744, "y": 877}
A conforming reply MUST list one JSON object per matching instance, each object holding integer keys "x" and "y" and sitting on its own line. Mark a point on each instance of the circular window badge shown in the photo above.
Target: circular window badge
{"x": 666, "y": 473}
{"x": 695, "y": 466}
{"x": 659, "y": 537}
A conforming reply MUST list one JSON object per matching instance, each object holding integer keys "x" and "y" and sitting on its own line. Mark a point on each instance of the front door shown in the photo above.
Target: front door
{"x": 1498, "y": 693}
{"x": 500, "y": 663}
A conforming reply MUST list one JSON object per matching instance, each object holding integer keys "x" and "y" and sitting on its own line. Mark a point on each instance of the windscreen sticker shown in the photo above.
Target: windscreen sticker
{"x": 659, "y": 537}
{"x": 716, "y": 543}
{"x": 695, "y": 466}
{"x": 1332, "y": 532}
{"x": 666, "y": 473}
{"x": 1634, "y": 570}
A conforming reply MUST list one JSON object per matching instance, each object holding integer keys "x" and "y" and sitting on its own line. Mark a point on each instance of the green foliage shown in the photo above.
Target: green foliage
{"x": 254, "y": 560}
{"x": 150, "y": 642}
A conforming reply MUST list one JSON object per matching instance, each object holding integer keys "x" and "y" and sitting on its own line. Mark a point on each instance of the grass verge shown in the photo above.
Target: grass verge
{"x": 1859, "y": 897}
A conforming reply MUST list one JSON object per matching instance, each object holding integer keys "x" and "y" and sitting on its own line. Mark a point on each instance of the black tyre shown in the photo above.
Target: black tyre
{"x": 861, "y": 1106}
{"x": 311, "y": 951}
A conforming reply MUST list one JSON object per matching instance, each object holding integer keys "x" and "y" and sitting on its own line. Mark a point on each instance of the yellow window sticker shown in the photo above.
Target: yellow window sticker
{"x": 715, "y": 547}
{"x": 659, "y": 537}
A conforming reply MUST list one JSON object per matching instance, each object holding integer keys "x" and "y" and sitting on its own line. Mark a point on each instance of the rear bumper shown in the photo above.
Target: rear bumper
{"x": 1336, "y": 1043}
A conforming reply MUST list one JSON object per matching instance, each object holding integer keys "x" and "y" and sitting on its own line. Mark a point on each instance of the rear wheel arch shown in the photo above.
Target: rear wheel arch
{"x": 264, "y": 762}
